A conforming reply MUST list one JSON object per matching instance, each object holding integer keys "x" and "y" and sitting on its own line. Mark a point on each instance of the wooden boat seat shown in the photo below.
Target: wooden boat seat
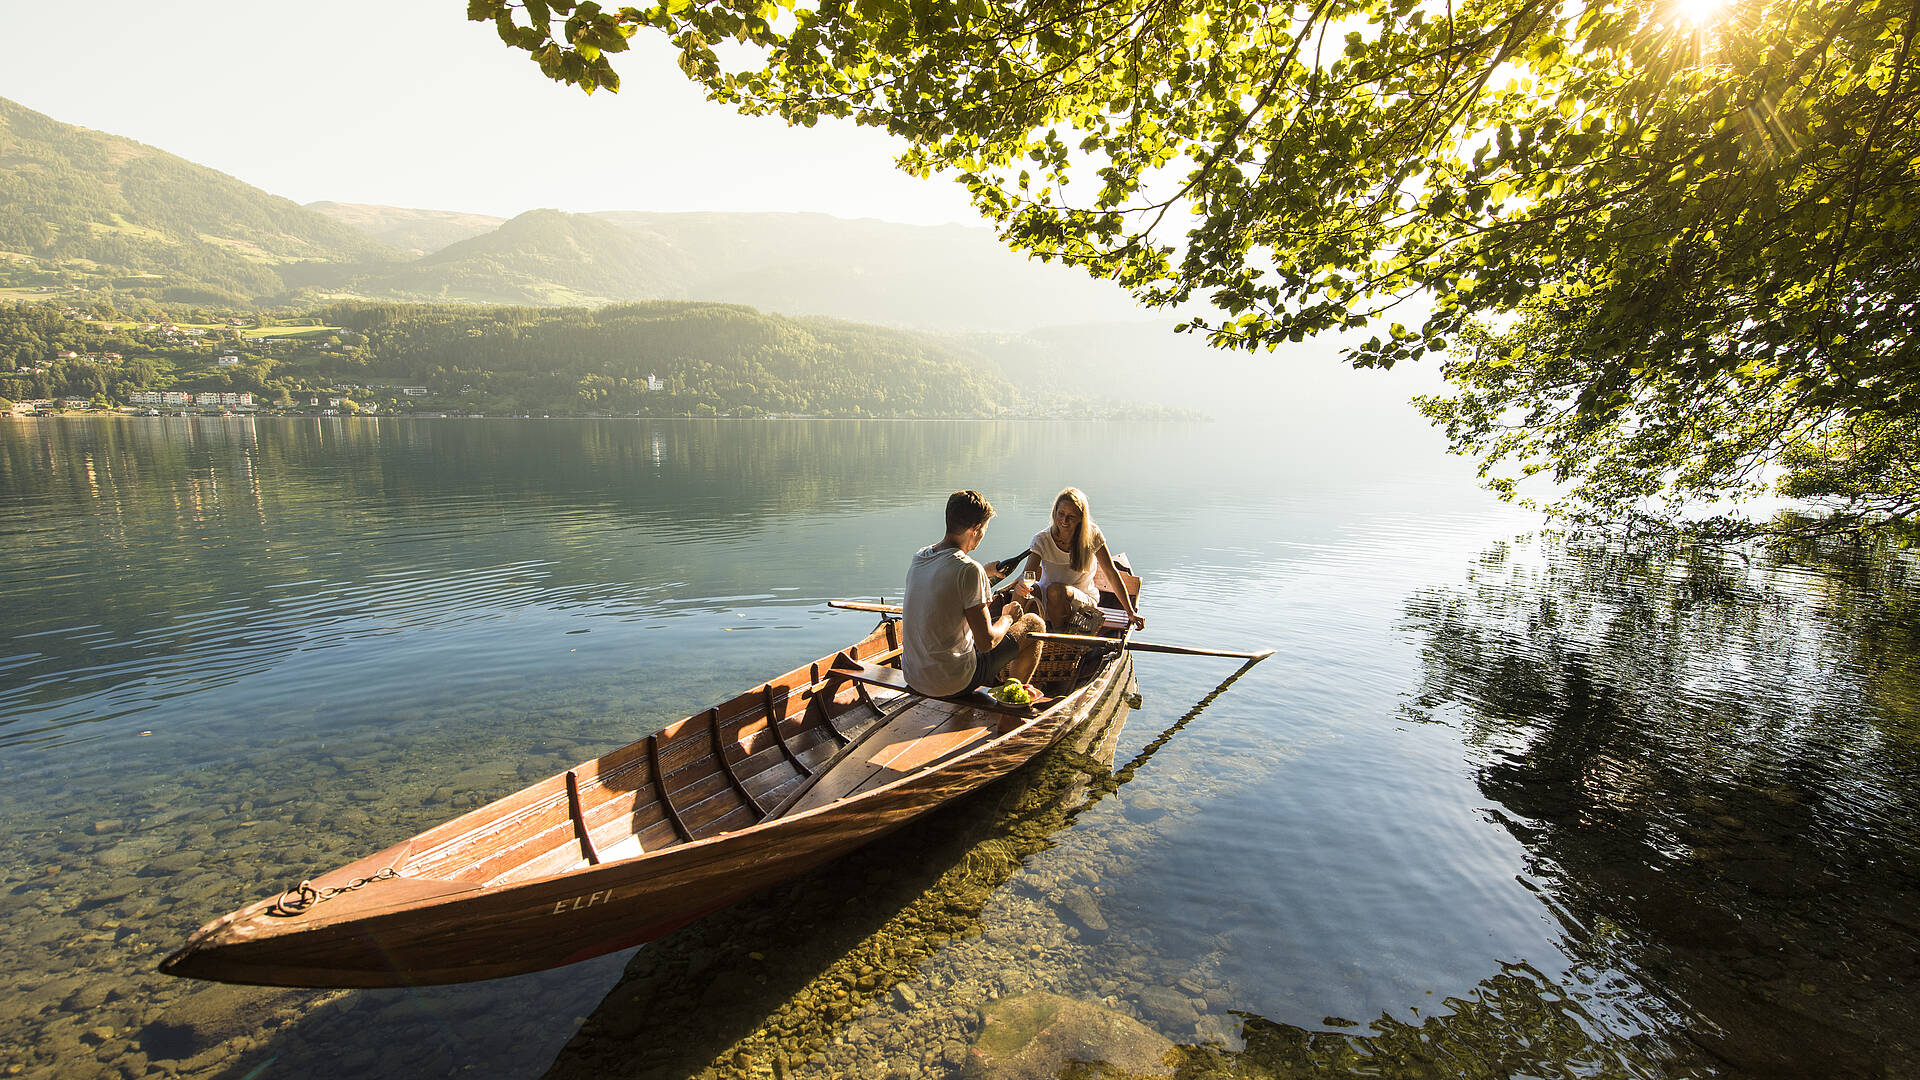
{"x": 894, "y": 679}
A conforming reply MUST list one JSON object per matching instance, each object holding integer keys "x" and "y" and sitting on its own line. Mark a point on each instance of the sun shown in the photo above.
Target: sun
{"x": 1698, "y": 13}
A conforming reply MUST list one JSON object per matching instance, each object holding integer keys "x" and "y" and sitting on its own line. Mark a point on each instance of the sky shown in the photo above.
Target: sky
{"x": 405, "y": 103}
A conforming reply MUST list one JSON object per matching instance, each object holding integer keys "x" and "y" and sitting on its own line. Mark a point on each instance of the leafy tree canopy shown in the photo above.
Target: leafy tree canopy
{"x": 1667, "y": 251}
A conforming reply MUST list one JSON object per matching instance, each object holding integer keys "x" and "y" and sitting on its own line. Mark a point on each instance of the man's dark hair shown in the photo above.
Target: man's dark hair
{"x": 965, "y": 509}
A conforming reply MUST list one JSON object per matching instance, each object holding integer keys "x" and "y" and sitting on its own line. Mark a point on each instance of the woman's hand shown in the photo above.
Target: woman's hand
{"x": 1134, "y": 620}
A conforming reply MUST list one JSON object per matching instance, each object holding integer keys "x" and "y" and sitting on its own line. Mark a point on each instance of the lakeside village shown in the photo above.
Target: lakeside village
{"x": 228, "y": 354}
{"x": 334, "y": 401}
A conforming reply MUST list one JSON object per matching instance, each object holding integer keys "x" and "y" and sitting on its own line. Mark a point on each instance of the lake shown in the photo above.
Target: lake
{"x": 1503, "y": 803}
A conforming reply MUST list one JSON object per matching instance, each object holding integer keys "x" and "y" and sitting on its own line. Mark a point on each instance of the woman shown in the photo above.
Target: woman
{"x": 1065, "y": 555}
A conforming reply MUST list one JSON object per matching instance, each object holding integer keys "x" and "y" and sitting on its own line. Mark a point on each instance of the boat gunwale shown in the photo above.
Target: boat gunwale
{"x": 463, "y": 892}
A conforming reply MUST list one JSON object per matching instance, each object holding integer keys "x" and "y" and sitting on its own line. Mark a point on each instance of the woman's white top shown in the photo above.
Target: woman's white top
{"x": 1057, "y": 565}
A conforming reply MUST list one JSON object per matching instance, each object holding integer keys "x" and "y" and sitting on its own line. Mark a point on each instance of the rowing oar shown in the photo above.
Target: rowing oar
{"x": 855, "y": 605}
{"x": 1151, "y": 646}
{"x": 1083, "y": 639}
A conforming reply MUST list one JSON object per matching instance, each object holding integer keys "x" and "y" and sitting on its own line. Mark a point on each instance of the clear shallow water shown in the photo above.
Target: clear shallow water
{"x": 1496, "y": 807}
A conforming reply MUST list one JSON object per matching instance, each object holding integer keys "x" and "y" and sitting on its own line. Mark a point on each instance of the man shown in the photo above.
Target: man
{"x": 950, "y": 644}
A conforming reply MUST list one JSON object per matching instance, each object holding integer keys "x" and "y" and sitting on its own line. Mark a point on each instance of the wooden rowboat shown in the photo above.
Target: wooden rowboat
{"x": 640, "y": 841}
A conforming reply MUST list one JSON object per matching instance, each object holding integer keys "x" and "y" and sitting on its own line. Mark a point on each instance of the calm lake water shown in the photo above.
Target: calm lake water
{"x": 1501, "y": 805}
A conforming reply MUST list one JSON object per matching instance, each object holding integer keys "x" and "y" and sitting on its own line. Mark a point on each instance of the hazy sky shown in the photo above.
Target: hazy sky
{"x": 407, "y": 104}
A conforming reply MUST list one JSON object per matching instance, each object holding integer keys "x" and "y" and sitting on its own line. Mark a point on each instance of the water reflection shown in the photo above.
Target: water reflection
{"x": 778, "y": 978}
{"x": 283, "y": 537}
{"x": 1689, "y": 798}
{"x": 1516, "y": 1023}
{"x": 1713, "y": 766}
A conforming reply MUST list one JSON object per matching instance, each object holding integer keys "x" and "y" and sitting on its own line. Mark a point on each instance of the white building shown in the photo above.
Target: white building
{"x": 160, "y": 397}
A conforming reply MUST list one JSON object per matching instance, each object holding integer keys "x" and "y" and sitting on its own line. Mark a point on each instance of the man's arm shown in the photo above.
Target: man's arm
{"x": 986, "y": 634}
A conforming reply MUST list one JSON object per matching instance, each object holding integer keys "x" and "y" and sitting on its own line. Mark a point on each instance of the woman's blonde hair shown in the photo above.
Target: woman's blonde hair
{"x": 1080, "y": 545}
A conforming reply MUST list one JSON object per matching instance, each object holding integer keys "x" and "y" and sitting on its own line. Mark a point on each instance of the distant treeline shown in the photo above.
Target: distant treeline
{"x": 705, "y": 360}
{"x": 709, "y": 359}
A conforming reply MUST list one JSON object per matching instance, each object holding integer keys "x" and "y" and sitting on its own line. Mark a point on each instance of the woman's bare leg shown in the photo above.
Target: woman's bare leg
{"x": 1059, "y": 605}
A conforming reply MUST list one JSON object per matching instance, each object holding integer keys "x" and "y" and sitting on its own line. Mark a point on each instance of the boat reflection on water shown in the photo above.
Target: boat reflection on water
{"x": 778, "y": 977}
{"x": 776, "y": 986}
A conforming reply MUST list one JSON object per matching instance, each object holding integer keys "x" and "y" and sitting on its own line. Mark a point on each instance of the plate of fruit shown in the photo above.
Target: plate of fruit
{"x": 1015, "y": 692}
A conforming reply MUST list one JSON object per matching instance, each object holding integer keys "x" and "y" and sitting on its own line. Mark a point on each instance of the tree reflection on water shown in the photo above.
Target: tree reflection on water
{"x": 1712, "y": 764}
{"x": 771, "y": 987}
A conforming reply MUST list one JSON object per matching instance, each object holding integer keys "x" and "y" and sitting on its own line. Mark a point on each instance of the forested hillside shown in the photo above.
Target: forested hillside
{"x": 542, "y": 257}
{"x": 95, "y": 217}
{"x": 415, "y": 232}
{"x": 82, "y": 208}
{"x": 710, "y": 359}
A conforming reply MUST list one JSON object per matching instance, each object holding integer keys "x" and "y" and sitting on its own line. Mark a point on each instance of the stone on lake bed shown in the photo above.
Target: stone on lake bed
{"x": 90, "y": 996}
{"x": 208, "y": 1018}
{"x": 1036, "y": 1035}
{"x": 1146, "y": 806}
{"x": 117, "y": 889}
{"x": 162, "y": 865}
{"x": 1084, "y": 908}
{"x": 495, "y": 777}
{"x": 107, "y": 825}
{"x": 1168, "y": 1007}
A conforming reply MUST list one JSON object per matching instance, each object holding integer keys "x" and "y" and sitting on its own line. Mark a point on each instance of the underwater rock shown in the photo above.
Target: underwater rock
{"x": 207, "y": 1018}
{"x": 1168, "y": 1007}
{"x": 1222, "y": 1031}
{"x": 1146, "y": 807}
{"x": 1036, "y": 1035}
{"x": 1085, "y": 910}
{"x": 164, "y": 865}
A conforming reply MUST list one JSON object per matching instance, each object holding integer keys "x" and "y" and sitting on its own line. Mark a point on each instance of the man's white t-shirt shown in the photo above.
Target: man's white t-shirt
{"x": 1057, "y": 565}
{"x": 937, "y": 646}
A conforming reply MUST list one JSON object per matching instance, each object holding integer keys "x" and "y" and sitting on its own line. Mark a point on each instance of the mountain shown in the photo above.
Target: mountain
{"x": 940, "y": 277}
{"x": 79, "y": 207}
{"x": 113, "y": 217}
{"x": 542, "y": 257}
{"x": 946, "y": 277}
{"x": 415, "y": 232}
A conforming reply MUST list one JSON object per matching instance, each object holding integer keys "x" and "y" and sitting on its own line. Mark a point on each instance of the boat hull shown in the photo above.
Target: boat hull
{"x": 403, "y": 931}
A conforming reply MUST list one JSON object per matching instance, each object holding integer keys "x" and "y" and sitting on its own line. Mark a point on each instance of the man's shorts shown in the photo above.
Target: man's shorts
{"x": 989, "y": 666}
